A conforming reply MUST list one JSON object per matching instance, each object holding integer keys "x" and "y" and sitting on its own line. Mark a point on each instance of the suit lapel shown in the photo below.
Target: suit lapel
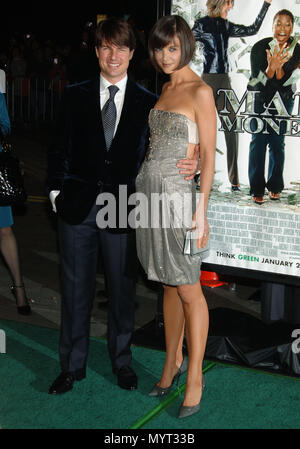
{"x": 128, "y": 110}
{"x": 94, "y": 114}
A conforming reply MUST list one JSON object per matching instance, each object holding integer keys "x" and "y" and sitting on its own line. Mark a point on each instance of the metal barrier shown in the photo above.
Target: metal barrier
{"x": 33, "y": 99}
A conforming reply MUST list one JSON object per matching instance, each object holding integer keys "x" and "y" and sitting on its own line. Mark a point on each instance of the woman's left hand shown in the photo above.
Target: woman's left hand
{"x": 189, "y": 166}
{"x": 202, "y": 231}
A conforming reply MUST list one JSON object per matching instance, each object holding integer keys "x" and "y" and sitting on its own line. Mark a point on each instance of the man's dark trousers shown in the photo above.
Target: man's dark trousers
{"x": 79, "y": 246}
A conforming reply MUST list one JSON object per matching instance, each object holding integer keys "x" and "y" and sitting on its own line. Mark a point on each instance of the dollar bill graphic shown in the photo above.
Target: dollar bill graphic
{"x": 189, "y": 2}
{"x": 293, "y": 78}
{"x": 272, "y": 46}
{"x": 233, "y": 49}
{"x": 293, "y": 45}
{"x": 245, "y": 72}
{"x": 194, "y": 12}
{"x": 297, "y": 20}
{"x": 290, "y": 50}
{"x": 261, "y": 78}
{"x": 245, "y": 51}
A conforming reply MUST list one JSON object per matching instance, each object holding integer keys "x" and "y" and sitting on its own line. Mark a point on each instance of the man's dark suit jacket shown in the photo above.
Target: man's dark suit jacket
{"x": 79, "y": 164}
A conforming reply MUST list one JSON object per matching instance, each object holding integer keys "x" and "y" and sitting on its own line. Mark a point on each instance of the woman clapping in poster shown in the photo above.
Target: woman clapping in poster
{"x": 273, "y": 61}
{"x": 214, "y": 31}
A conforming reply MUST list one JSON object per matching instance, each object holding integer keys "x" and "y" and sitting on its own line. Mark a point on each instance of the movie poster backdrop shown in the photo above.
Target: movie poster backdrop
{"x": 258, "y": 145}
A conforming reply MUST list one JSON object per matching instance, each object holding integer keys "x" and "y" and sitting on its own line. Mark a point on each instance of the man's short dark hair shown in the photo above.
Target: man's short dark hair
{"x": 164, "y": 31}
{"x": 115, "y": 31}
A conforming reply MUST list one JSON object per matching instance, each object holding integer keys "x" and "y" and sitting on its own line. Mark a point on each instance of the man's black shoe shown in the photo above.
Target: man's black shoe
{"x": 127, "y": 378}
{"x": 62, "y": 384}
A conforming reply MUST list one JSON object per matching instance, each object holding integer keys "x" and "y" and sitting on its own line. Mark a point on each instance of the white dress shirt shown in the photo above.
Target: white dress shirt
{"x": 104, "y": 96}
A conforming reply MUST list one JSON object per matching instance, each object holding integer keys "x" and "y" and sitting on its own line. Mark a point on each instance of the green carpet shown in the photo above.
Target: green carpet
{"x": 235, "y": 398}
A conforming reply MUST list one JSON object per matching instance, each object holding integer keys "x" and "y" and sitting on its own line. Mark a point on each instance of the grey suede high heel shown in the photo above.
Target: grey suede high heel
{"x": 186, "y": 411}
{"x": 159, "y": 391}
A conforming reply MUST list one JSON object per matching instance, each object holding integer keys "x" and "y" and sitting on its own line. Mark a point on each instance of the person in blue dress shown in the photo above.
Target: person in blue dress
{"x": 8, "y": 244}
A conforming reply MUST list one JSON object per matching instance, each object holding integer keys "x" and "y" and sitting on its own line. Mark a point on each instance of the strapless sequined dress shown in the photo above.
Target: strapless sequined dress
{"x": 160, "y": 244}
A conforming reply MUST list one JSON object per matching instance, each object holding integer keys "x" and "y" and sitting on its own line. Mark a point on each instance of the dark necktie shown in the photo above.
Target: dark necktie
{"x": 109, "y": 115}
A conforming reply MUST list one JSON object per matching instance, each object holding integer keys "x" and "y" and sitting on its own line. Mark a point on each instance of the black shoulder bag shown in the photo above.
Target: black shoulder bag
{"x": 12, "y": 190}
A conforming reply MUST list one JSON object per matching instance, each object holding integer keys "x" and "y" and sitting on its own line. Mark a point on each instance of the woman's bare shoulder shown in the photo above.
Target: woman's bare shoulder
{"x": 201, "y": 88}
{"x": 202, "y": 92}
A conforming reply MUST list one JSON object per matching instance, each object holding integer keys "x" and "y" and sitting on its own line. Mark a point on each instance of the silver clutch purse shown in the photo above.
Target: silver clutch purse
{"x": 190, "y": 244}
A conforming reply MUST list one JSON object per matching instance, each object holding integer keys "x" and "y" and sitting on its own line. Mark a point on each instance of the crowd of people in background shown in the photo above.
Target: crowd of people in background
{"x": 27, "y": 56}
{"x": 45, "y": 66}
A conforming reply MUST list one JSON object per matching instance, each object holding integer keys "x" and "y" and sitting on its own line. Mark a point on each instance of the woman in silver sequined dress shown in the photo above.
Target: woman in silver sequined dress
{"x": 183, "y": 117}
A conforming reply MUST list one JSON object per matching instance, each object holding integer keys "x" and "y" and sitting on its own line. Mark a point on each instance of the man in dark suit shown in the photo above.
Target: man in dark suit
{"x": 99, "y": 146}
